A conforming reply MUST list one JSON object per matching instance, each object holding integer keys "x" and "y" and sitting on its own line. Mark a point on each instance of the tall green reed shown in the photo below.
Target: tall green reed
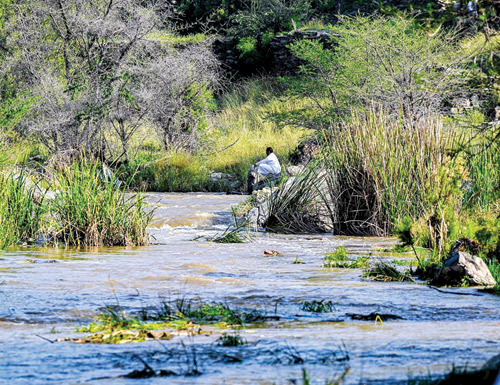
{"x": 91, "y": 209}
{"x": 382, "y": 170}
{"x": 22, "y": 208}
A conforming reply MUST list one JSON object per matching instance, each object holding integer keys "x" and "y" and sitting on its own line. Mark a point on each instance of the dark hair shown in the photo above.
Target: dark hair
{"x": 269, "y": 150}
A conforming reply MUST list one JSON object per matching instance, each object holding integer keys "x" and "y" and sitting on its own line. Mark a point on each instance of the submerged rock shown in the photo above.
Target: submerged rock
{"x": 462, "y": 266}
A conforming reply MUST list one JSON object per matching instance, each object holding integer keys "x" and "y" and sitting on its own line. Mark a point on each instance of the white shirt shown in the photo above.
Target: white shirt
{"x": 270, "y": 163}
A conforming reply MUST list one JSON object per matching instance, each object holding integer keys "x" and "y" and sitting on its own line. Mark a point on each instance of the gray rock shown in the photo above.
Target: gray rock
{"x": 217, "y": 176}
{"x": 294, "y": 170}
{"x": 461, "y": 265}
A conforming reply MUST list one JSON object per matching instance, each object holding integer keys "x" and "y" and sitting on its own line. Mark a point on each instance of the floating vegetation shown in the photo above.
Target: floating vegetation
{"x": 339, "y": 259}
{"x": 315, "y": 306}
{"x": 116, "y": 327}
{"x": 298, "y": 261}
{"x": 385, "y": 272}
{"x": 231, "y": 340}
{"x": 237, "y": 232}
{"x": 121, "y": 336}
{"x": 186, "y": 313}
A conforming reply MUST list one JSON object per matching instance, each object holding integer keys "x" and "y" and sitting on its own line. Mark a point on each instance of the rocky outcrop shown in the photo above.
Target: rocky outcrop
{"x": 462, "y": 266}
{"x": 283, "y": 61}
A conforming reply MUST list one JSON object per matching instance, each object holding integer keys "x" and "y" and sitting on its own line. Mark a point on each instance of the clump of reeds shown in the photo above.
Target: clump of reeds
{"x": 298, "y": 204}
{"x": 384, "y": 168}
{"x": 385, "y": 272}
{"x": 22, "y": 209}
{"x": 92, "y": 209}
{"x": 231, "y": 340}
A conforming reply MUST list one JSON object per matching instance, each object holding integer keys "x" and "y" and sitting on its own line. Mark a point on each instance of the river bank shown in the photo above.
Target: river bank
{"x": 48, "y": 293}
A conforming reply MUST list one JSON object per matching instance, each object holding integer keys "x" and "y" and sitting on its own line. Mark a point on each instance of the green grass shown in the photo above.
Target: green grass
{"x": 239, "y": 132}
{"x": 172, "y": 39}
{"x": 231, "y": 340}
{"x": 386, "y": 273}
{"x": 374, "y": 190}
{"x": 92, "y": 210}
{"x": 339, "y": 259}
{"x": 114, "y": 326}
{"x": 22, "y": 208}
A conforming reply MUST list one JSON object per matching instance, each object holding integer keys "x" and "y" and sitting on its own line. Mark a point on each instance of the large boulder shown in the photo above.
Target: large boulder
{"x": 462, "y": 266}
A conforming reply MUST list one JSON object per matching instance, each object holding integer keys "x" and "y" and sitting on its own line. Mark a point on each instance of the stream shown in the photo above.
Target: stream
{"x": 45, "y": 294}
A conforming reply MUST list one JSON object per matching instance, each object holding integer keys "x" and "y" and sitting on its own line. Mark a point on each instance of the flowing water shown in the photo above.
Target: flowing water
{"x": 46, "y": 294}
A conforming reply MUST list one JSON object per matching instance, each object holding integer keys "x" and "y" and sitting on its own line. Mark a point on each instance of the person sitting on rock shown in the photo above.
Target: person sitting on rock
{"x": 269, "y": 165}
{"x": 268, "y": 168}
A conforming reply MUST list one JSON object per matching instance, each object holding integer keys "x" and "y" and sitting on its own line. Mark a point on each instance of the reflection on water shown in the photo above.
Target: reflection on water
{"x": 51, "y": 299}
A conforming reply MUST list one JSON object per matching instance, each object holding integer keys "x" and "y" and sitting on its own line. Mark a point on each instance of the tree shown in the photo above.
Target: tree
{"x": 383, "y": 62}
{"x": 70, "y": 55}
{"x": 92, "y": 67}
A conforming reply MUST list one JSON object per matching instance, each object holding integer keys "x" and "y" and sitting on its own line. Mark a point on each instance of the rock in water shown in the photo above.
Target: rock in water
{"x": 461, "y": 265}
{"x": 272, "y": 253}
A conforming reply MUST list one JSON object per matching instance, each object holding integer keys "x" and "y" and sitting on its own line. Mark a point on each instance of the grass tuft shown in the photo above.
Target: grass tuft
{"x": 385, "y": 272}
{"x": 22, "y": 208}
{"x": 339, "y": 259}
{"x": 93, "y": 210}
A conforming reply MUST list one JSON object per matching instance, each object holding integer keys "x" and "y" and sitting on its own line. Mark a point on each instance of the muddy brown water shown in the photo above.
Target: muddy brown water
{"x": 45, "y": 294}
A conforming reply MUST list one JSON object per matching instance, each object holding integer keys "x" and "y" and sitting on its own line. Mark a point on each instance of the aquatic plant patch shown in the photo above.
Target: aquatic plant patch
{"x": 231, "y": 340}
{"x": 237, "y": 232}
{"x": 316, "y": 306}
{"x": 92, "y": 209}
{"x": 121, "y": 336}
{"x": 22, "y": 208}
{"x": 339, "y": 259}
{"x": 384, "y": 272}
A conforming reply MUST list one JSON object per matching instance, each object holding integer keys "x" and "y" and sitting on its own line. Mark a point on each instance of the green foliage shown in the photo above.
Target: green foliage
{"x": 12, "y": 111}
{"x": 216, "y": 312}
{"x": 385, "y": 272}
{"x": 231, "y": 340}
{"x": 22, "y": 208}
{"x": 316, "y": 306}
{"x": 403, "y": 232}
{"x": 114, "y": 326}
{"x": 339, "y": 259}
{"x": 247, "y": 46}
{"x": 293, "y": 205}
{"x": 92, "y": 209}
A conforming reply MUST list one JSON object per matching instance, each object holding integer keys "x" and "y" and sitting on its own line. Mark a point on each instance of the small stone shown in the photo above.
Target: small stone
{"x": 272, "y": 253}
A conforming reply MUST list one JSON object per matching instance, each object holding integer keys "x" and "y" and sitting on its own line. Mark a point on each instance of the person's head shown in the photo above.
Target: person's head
{"x": 269, "y": 150}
